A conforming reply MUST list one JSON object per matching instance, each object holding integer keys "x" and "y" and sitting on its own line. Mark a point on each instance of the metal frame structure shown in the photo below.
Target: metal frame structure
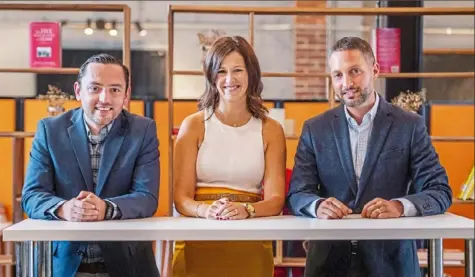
{"x": 19, "y": 137}
{"x": 251, "y": 12}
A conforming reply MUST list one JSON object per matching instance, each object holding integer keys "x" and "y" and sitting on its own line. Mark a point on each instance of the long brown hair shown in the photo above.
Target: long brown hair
{"x": 211, "y": 64}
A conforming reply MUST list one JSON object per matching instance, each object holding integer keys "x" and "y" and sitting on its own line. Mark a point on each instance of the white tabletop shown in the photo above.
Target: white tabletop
{"x": 269, "y": 228}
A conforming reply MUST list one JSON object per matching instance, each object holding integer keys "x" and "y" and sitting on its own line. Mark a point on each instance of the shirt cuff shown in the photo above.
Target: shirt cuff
{"x": 113, "y": 212}
{"x": 311, "y": 209}
{"x": 409, "y": 207}
{"x": 52, "y": 211}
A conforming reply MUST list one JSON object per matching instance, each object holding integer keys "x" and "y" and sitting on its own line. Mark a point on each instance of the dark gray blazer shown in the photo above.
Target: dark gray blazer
{"x": 400, "y": 162}
{"x": 59, "y": 168}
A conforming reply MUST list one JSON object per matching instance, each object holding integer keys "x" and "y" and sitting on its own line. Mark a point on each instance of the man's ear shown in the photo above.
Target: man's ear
{"x": 127, "y": 92}
{"x": 77, "y": 90}
{"x": 375, "y": 71}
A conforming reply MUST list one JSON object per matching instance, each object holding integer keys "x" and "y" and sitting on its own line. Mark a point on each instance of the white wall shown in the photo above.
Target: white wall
{"x": 14, "y": 51}
{"x": 274, "y": 38}
{"x": 273, "y": 47}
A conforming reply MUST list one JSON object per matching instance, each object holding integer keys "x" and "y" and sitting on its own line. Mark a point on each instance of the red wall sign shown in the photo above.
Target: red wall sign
{"x": 45, "y": 44}
{"x": 388, "y": 49}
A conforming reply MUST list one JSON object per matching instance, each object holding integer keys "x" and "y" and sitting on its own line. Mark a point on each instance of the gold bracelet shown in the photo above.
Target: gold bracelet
{"x": 196, "y": 211}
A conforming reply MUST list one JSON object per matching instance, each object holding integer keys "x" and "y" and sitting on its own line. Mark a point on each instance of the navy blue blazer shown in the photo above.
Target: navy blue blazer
{"x": 59, "y": 168}
{"x": 400, "y": 163}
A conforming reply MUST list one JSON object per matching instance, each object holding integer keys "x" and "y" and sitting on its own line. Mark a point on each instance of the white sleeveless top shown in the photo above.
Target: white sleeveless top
{"x": 231, "y": 157}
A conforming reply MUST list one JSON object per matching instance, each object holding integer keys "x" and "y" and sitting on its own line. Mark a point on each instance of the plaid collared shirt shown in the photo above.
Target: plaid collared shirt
{"x": 96, "y": 146}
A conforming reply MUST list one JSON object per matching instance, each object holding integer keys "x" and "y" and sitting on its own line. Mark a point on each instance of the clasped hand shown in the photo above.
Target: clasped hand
{"x": 223, "y": 209}
{"x": 85, "y": 207}
{"x": 332, "y": 208}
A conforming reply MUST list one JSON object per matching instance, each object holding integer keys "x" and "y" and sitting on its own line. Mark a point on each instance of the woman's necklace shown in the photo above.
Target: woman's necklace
{"x": 221, "y": 118}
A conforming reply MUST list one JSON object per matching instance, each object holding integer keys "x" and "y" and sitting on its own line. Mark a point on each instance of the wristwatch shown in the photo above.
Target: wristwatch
{"x": 250, "y": 210}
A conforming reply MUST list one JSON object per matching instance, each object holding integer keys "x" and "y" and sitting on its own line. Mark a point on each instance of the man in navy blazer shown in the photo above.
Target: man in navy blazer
{"x": 365, "y": 157}
{"x": 98, "y": 162}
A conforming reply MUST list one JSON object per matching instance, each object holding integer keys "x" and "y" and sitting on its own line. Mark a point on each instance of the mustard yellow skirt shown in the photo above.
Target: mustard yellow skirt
{"x": 222, "y": 258}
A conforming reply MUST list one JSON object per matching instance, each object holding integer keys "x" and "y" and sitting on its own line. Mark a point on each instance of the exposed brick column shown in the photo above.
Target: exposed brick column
{"x": 310, "y": 51}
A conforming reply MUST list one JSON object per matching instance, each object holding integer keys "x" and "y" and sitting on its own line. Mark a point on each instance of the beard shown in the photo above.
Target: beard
{"x": 362, "y": 94}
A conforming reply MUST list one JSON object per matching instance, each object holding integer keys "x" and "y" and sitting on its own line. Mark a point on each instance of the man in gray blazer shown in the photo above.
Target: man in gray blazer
{"x": 364, "y": 157}
{"x": 98, "y": 162}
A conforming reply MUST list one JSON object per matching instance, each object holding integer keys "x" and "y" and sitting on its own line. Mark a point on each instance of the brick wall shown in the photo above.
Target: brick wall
{"x": 310, "y": 51}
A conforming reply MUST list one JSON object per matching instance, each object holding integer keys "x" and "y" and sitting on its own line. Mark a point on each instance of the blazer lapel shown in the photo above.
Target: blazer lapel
{"x": 342, "y": 139}
{"x": 381, "y": 125}
{"x": 112, "y": 146}
{"x": 79, "y": 142}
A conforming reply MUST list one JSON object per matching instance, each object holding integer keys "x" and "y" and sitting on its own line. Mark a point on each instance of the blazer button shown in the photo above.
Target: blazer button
{"x": 80, "y": 253}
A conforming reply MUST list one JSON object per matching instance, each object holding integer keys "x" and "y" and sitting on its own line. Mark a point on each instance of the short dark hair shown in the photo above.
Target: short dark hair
{"x": 211, "y": 64}
{"x": 354, "y": 43}
{"x": 104, "y": 59}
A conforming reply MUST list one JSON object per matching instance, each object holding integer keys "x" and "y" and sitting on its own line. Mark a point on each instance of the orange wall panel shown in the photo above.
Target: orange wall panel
{"x": 136, "y": 107}
{"x": 456, "y": 157}
{"x": 452, "y": 120}
{"x": 291, "y": 150}
{"x": 38, "y": 109}
{"x": 7, "y": 124}
{"x": 301, "y": 111}
{"x": 161, "y": 118}
{"x": 182, "y": 109}
{"x": 6, "y": 179}
{"x": 34, "y": 111}
{"x": 7, "y": 114}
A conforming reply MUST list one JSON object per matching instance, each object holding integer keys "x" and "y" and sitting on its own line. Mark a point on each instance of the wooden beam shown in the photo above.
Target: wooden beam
{"x": 448, "y": 51}
{"x": 43, "y": 70}
{"x": 324, "y": 75}
{"x": 16, "y": 134}
{"x": 64, "y": 7}
{"x": 322, "y": 11}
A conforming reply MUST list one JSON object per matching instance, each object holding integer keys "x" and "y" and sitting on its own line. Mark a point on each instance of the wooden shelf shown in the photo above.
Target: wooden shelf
{"x": 434, "y": 138}
{"x": 290, "y": 262}
{"x": 429, "y": 75}
{"x": 453, "y": 139}
{"x": 452, "y": 258}
{"x": 6, "y": 260}
{"x": 460, "y": 201}
{"x": 16, "y": 134}
{"x": 448, "y": 51}
{"x": 65, "y": 7}
{"x": 321, "y": 11}
{"x": 43, "y": 70}
{"x": 327, "y": 75}
{"x": 294, "y": 137}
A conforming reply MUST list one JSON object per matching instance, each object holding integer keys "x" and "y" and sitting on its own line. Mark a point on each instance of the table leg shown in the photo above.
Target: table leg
{"x": 469, "y": 252}
{"x": 167, "y": 257}
{"x": 436, "y": 266}
{"x": 44, "y": 257}
{"x": 23, "y": 256}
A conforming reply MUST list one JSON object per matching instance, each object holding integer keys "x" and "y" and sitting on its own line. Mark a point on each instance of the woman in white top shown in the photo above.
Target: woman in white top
{"x": 229, "y": 164}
